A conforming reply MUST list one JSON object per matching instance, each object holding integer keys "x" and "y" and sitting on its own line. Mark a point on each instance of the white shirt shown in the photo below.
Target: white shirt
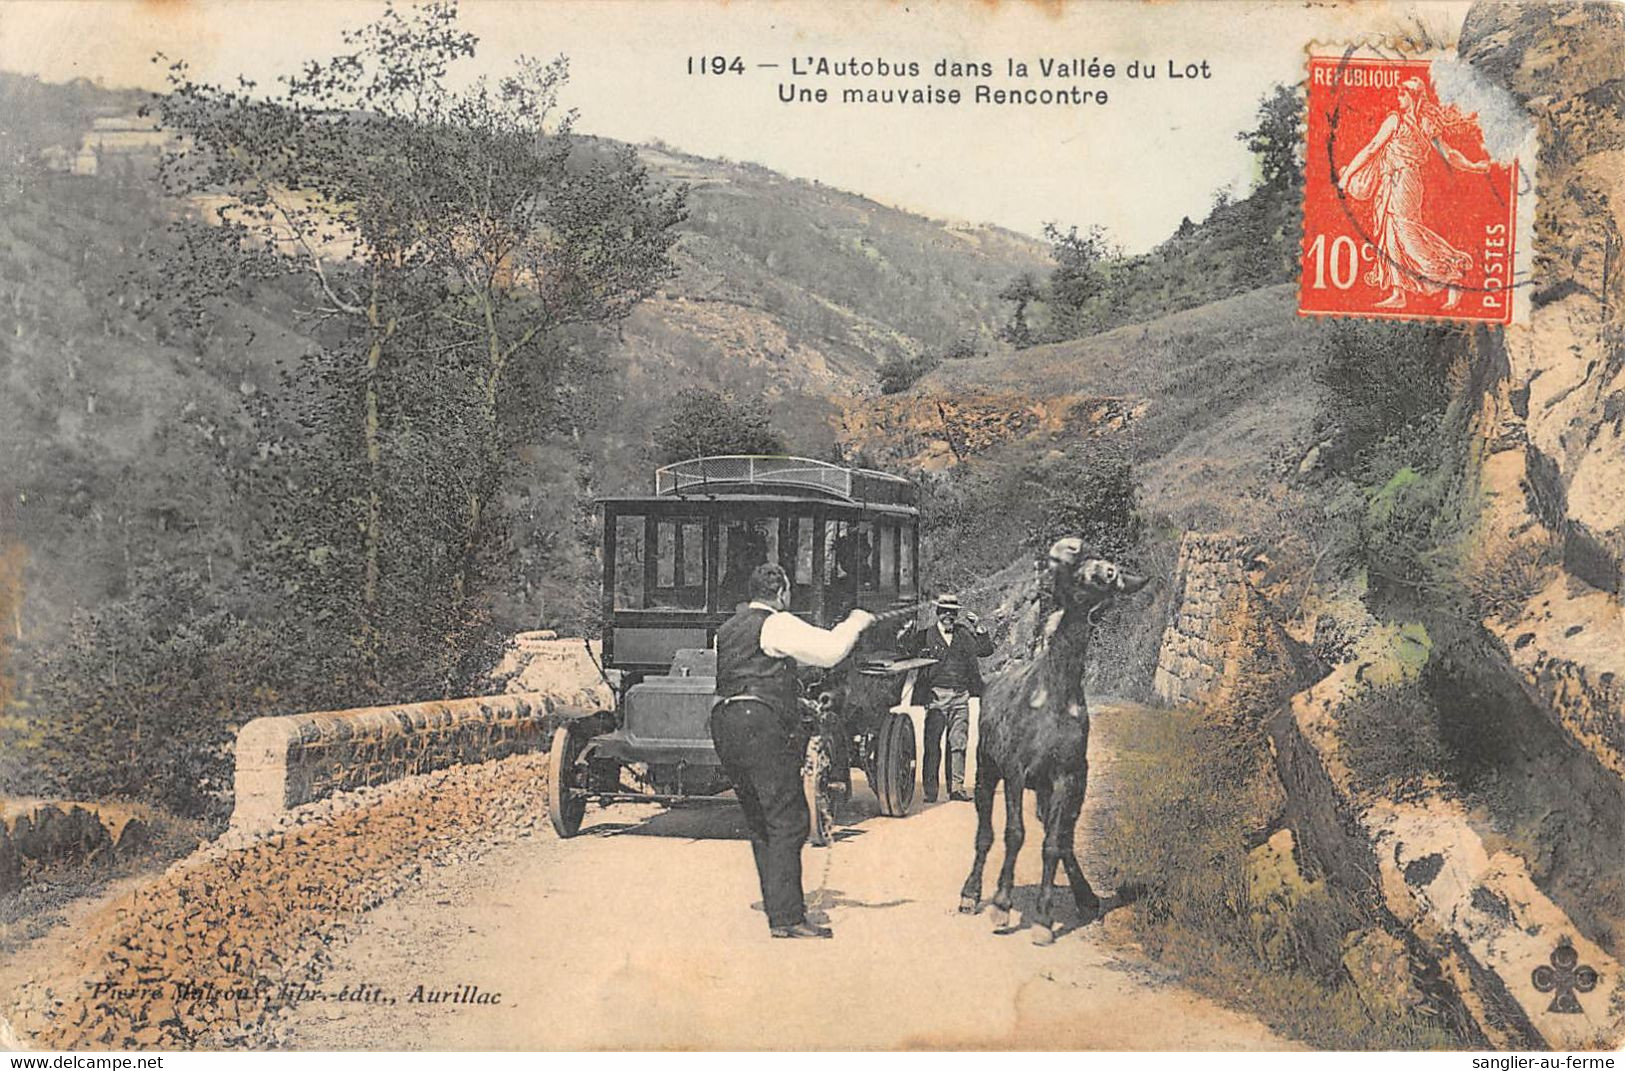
{"x": 946, "y": 633}
{"x": 784, "y": 635}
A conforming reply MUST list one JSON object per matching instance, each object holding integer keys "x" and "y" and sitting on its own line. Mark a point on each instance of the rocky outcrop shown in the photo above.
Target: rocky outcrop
{"x": 933, "y": 431}
{"x": 1473, "y": 905}
{"x": 1464, "y": 909}
{"x": 1551, "y": 548}
{"x": 1569, "y": 647}
{"x": 40, "y": 836}
{"x": 1481, "y": 896}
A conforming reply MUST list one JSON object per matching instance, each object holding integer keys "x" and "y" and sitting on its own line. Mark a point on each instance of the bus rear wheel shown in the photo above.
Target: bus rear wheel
{"x": 895, "y": 765}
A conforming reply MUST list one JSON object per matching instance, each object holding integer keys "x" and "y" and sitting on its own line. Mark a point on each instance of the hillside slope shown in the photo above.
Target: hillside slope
{"x": 1217, "y": 398}
{"x": 785, "y": 290}
{"x": 794, "y": 292}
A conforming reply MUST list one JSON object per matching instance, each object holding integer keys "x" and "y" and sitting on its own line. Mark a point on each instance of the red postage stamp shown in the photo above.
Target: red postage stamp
{"x": 1406, "y": 214}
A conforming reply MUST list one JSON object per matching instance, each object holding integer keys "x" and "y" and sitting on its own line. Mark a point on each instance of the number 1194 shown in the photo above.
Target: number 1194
{"x": 716, "y": 65}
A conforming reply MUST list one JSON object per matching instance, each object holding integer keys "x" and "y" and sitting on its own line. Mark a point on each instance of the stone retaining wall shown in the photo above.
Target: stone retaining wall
{"x": 1196, "y": 645}
{"x": 287, "y": 761}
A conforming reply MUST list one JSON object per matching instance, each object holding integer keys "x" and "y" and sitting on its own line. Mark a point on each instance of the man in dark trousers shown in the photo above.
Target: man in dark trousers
{"x": 754, "y": 725}
{"x": 956, "y": 641}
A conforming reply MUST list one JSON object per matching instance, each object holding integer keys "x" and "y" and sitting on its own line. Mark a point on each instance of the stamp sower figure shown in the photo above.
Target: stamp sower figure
{"x": 754, "y": 726}
{"x": 1388, "y": 172}
{"x": 956, "y": 641}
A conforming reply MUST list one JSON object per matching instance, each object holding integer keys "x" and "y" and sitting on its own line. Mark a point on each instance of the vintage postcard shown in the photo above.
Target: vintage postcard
{"x": 676, "y": 525}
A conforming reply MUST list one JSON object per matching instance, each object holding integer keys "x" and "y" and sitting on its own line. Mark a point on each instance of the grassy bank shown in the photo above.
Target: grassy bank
{"x": 1216, "y": 900}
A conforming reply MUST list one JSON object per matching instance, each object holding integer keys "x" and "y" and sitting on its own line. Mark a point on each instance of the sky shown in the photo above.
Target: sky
{"x": 1156, "y": 151}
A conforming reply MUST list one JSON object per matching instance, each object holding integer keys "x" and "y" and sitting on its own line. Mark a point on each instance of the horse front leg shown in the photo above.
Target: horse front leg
{"x": 1050, "y": 805}
{"x": 1082, "y": 893}
{"x": 987, "y": 780}
{"x": 1015, "y": 832}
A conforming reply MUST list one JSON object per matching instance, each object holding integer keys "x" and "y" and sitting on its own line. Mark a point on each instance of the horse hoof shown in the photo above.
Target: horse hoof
{"x": 1001, "y": 919}
{"x": 1043, "y": 935}
{"x": 968, "y": 905}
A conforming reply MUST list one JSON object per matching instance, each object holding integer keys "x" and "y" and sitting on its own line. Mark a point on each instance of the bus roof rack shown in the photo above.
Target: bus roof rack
{"x": 748, "y": 472}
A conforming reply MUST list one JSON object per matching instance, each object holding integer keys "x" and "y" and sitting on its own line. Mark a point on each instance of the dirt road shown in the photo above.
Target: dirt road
{"x": 646, "y": 931}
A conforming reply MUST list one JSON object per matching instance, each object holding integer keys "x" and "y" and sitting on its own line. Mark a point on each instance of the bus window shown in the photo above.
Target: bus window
{"x": 745, "y": 543}
{"x": 867, "y": 554}
{"x": 628, "y": 562}
{"x": 905, "y": 555}
{"x": 888, "y": 557}
{"x": 797, "y": 538}
{"x": 840, "y": 553}
{"x": 679, "y": 574}
{"x": 666, "y": 558}
{"x": 692, "y": 558}
{"x": 842, "y": 562}
{"x": 803, "y": 528}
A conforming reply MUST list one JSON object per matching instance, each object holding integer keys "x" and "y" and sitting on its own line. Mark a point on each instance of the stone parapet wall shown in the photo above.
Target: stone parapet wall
{"x": 1197, "y": 644}
{"x": 287, "y": 761}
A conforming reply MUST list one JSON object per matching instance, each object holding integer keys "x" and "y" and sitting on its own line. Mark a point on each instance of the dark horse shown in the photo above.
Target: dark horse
{"x": 1035, "y": 734}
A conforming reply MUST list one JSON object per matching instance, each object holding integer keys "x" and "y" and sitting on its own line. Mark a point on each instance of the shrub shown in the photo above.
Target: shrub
{"x": 1421, "y": 507}
{"x": 897, "y": 374}
{"x": 1505, "y": 574}
{"x": 1091, "y": 490}
{"x": 1392, "y": 741}
{"x": 142, "y": 698}
{"x": 1384, "y": 379}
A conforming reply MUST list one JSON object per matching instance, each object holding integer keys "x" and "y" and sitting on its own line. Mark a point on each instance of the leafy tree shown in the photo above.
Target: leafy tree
{"x": 1078, "y": 279}
{"x": 441, "y": 240}
{"x": 704, "y": 423}
{"x": 1070, "y": 301}
{"x": 1270, "y": 226}
{"x": 1023, "y": 290}
{"x": 1277, "y": 140}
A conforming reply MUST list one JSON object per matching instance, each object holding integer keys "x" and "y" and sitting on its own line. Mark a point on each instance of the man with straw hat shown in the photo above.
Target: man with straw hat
{"x": 956, "y": 641}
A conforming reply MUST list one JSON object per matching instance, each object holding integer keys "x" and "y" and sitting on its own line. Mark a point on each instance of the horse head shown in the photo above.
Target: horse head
{"x": 1080, "y": 581}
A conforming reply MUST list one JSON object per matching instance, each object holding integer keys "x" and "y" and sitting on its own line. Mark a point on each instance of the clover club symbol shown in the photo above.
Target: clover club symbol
{"x": 1566, "y": 976}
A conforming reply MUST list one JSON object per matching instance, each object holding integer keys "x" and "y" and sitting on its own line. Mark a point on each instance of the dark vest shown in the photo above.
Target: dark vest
{"x": 956, "y": 666}
{"x": 743, "y": 668}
